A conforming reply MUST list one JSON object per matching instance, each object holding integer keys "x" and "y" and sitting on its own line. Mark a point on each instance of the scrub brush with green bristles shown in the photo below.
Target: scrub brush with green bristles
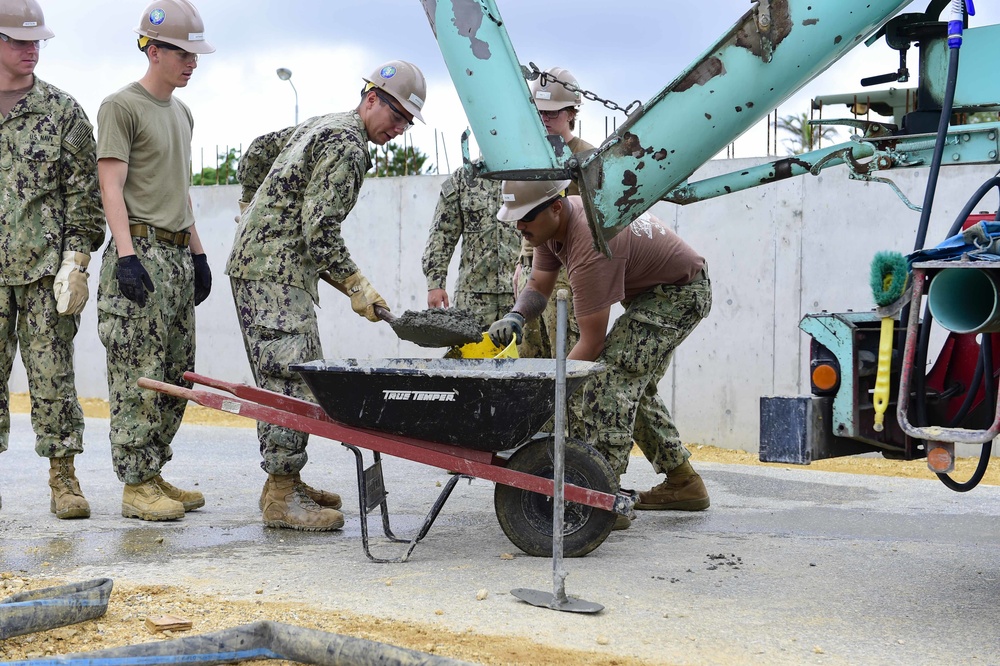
{"x": 888, "y": 282}
{"x": 888, "y": 277}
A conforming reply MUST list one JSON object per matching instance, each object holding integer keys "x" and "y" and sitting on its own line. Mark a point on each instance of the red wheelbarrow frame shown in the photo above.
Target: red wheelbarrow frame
{"x": 282, "y": 410}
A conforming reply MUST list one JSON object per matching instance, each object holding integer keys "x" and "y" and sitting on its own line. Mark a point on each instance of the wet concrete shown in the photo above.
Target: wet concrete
{"x": 438, "y": 327}
{"x": 787, "y": 566}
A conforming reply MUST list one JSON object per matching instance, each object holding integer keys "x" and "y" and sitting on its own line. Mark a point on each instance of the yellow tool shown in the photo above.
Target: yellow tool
{"x": 889, "y": 280}
{"x": 881, "y": 394}
{"x": 483, "y": 349}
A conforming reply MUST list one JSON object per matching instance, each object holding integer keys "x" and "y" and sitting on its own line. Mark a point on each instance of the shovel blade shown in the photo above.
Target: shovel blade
{"x": 552, "y": 602}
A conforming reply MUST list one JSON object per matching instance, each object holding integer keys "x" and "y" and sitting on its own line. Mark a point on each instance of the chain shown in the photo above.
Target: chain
{"x": 534, "y": 73}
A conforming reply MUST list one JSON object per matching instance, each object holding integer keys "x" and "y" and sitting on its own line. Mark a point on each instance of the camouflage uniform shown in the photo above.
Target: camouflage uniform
{"x": 288, "y": 234}
{"x": 50, "y": 203}
{"x": 156, "y": 340}
{"x": 467, "y": 209}
{"x": 621, "y": 404}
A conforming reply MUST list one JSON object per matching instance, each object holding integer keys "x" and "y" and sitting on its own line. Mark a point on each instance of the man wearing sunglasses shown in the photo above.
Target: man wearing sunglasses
{"x": 52, "y": 221}
{"x": 154, "y": 271}
{"x": 662, "y": 284}
{"x": 299, "y": 185}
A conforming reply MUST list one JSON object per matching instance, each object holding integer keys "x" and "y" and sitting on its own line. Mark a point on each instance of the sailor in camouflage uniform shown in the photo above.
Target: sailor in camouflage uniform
{"x": 289, "y": 233}
{"x": 154, "y": 271}
{"x": 52, "y": 221}
{"x": 466, "y": 210}
{"x": 557, "y": 107}
{"x": 663, "y": 285}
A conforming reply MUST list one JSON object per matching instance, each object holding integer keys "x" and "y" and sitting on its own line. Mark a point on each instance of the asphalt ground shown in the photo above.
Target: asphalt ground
{"x": 787, "y": 566}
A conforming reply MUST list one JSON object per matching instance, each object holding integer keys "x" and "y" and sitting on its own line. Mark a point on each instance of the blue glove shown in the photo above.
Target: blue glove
{"x": 504, "y": 330}
{"x": 133, "y": 280}
{"x": 202, "y": 278}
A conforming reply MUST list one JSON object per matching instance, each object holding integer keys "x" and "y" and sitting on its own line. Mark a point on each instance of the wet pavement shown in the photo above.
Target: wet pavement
{"x": 787, "y": 566}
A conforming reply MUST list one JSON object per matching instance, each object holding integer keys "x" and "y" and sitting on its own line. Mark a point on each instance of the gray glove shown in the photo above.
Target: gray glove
{"x": 504, "y": 330}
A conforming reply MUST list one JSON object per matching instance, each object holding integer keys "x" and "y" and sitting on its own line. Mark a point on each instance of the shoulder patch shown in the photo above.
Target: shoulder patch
{"x": 78, "y": 137}
{"x": 448, "y": 188}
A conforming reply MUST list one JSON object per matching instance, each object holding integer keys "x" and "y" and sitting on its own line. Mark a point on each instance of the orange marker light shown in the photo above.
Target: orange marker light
{"x": 824, "y": 377}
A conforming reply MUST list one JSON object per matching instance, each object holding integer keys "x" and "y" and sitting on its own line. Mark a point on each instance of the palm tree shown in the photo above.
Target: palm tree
{"x": 805, "y": 137}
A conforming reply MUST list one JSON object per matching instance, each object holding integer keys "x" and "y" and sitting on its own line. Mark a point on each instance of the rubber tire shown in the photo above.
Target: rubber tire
{"x": 526, "y": 517}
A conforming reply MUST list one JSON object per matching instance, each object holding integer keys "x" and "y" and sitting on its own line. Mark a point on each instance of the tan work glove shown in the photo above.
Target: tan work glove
{"x": 363, "y": 296}
{"x": 70, "y": 287}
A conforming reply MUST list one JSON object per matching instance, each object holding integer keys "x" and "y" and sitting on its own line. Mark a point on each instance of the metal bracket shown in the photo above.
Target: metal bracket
{"x": 372, "y": 494}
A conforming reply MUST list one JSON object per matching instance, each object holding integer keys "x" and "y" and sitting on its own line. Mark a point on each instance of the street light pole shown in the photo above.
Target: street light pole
{"x": 286, "y": 75}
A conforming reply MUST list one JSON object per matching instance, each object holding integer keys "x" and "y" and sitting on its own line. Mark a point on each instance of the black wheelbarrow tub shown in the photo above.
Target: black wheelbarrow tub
{"x": 482, "y": 404}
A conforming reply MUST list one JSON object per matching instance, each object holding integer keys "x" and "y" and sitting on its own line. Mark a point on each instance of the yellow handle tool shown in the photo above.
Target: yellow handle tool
{"x": 881, "y": 396}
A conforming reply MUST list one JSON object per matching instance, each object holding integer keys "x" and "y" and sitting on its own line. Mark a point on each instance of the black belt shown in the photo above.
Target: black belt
{"x": 178, "y": 238}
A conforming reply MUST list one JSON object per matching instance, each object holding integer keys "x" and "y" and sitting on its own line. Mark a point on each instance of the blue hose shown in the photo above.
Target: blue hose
{"x": 258, "y": 640}
{"x": 52, "y": 607}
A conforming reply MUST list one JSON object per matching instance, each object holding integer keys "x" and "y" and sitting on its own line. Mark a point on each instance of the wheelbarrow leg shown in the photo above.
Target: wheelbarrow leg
{"x": 372, "y": 494}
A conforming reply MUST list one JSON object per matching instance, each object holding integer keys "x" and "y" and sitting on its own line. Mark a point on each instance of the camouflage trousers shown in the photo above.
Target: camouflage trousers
{"x": 487, "y": 307}
{"x": 28, "y": 315}
{"x": 156, "y": 341}
{"x": 621, "y": 404}
{"x": 540, "y": 334}
{"x": 279, "y": 328}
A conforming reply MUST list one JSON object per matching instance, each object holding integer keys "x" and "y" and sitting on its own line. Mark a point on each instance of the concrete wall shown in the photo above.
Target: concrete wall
{"x": 775, "y": 253}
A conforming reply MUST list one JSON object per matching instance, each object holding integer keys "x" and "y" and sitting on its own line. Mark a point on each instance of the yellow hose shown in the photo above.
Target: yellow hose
{"x": 881, "y": 396}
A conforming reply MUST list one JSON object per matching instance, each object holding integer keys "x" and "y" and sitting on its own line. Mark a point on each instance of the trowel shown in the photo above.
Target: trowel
{"x": 434, "y": 327}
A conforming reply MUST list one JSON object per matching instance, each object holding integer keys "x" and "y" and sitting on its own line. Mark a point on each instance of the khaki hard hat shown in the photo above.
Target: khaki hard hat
{"x": 175, "y": 22}
{"x": 520, "y": 196}
{"x": 404, "y": 81}
{"x": 23, "y": 19}
{"x": 552, "y": 96}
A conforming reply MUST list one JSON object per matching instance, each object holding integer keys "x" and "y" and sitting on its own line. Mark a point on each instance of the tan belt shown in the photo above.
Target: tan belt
{"x": 700, "y": 275}
{"x": 178, "y": 238}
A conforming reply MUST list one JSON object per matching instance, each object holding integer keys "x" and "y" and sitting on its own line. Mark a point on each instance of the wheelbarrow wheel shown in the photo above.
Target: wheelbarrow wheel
{"x": 526, "y": 517}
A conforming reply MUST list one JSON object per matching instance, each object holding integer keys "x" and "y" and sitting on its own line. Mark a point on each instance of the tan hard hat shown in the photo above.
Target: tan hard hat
{"x": 405, "y": 82}
{"x": 520, "y": 196}
{"x": 23, "y": 19}
{"x": 175, "y": 22}
{"x": 552, "y": 96}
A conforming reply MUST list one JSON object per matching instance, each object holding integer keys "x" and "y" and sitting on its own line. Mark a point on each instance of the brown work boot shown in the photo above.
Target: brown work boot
{"x": 191, "y": 499}
{"x": 321, "y": 497}
{"x": 147, "y": 501}
{"x": 287, "y": 505}
{"x": 622, "y": 522}
{"x": 67, "y": 498}
{"x": 682, "y": 491}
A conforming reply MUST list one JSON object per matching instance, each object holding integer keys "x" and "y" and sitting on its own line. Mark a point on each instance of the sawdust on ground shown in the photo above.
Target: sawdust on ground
{"x": 130, "y": 605}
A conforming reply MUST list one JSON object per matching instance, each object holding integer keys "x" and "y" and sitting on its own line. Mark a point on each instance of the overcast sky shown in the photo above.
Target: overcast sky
{"x": 621, "y": 50}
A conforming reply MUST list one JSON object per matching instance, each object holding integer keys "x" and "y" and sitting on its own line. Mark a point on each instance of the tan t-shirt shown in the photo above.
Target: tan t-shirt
{"x": 644, "y": 254}
{"x": 154, "y": 138}
{"x": 8, "y": 98}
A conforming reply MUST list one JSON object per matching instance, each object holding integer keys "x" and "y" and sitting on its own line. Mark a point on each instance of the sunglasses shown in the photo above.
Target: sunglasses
{"x": 397, "y": 114}
{"x": 23, "y": 44}
{"x": 182, "y": 54}
{"x": 530, "y": 216}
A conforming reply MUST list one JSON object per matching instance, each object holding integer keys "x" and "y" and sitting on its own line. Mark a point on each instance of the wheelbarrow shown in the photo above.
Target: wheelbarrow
{"x": 474, "y": 417}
